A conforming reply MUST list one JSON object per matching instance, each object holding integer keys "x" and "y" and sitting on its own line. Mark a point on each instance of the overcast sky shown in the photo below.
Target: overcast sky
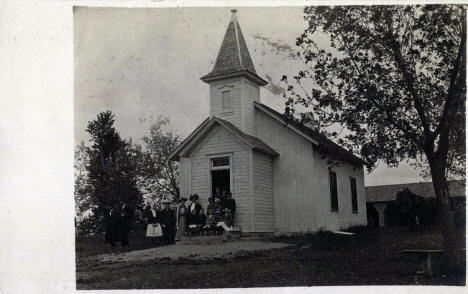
{"x": 144, "y": 63}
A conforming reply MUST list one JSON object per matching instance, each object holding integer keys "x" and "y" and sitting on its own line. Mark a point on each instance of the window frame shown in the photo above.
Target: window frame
{"x": 226, "y": 110}
{"x": 226, "y": 166}
{"x": 229, "y": 167}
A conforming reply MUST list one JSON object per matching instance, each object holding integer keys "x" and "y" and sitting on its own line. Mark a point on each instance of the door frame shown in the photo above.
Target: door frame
{"x": 210, "y": 168}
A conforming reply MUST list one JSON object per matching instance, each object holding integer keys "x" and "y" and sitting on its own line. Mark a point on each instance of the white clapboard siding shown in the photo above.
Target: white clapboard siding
{"x": 264, "y": 217}
{"x": 185, "y": 176}
{"x": 250, "y": 93}
{"x": 221, "y": 141}
{"x": 344, "y": 217}
{"x": 243, "y": 94}
{"x": 216, "y": 88}
{"x": 301, "y": 186}
{"x": 292, "y": 176}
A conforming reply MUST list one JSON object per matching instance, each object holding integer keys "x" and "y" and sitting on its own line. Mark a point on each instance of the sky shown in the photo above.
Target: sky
{"x": 144, "y": 63}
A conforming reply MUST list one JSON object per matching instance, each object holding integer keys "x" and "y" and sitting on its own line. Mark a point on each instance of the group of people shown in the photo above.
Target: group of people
{"x": 117, "y": 221}
{"x": 161, "y": 223}
{"x": 191, "y": 219}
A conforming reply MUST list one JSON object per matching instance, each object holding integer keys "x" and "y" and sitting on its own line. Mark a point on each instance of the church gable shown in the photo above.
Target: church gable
{"x": 218, "y": 140}
{"x": 201, "y": 132}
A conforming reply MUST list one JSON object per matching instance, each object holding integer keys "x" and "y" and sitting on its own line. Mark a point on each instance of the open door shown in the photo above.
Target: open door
{"x": 220, "y": 179}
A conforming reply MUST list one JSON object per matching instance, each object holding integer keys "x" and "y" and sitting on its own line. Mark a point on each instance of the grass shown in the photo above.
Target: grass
{"x": 320, "y": 259}
{"x": 94, "y": 245}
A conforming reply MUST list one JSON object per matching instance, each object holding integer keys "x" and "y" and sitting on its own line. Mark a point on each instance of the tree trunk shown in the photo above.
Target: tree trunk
{"x": 447, "y": 219}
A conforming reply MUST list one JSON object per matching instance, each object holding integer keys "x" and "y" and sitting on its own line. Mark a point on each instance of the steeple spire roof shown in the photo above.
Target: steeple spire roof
{"x": 233, "y": 57}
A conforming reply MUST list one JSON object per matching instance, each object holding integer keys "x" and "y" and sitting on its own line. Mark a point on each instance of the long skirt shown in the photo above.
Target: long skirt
{"x": 181, "y": 226}
{"x": 168, "y": 232}
{"x": 153, "y": 230}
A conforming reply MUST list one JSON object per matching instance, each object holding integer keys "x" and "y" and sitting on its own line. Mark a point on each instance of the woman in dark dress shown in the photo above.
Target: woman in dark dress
{"x": 167, "y": 219}
{"x": 194, "y": 207}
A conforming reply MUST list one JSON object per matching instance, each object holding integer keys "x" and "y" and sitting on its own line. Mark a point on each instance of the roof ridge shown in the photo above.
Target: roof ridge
{"x": 414, "y": 183}
{"x": 314, "y": 134}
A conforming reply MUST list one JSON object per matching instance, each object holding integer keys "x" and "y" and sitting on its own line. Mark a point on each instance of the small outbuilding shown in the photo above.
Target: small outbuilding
{"x": 278, "y": 171}
{"x": 379, "y": 197}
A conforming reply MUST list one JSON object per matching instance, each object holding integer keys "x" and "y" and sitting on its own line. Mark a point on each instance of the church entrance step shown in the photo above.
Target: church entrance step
{"x": 210, "y": 239}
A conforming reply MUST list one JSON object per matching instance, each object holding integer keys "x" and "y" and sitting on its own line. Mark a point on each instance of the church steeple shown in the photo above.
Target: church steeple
{"x": 234, "y": 84}
{"x": 233, "y": 57}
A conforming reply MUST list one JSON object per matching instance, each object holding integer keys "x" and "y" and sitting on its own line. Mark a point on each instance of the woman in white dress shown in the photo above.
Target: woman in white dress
{"x": 153, "y": 229}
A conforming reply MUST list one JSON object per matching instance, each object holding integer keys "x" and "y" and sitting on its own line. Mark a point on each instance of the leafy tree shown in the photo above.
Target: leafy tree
{"x": 81, "y": 192}
{"x": 112, "y": 169}
{"x": 394, "y": 77}
{"x": 157, "y": 175}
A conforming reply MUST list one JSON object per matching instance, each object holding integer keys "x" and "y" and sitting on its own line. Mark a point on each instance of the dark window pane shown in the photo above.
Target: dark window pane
{"x": 354, "y": 195}
{"x": 333, "y": 191}
{"x": 222, "y": 161}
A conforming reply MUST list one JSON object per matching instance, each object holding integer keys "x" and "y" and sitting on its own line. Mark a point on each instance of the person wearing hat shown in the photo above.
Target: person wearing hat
{"x": 153, "y": 229}
{"x": 181, "y": 219}
{"x": 167, "y": 219}
{"x": 193, "y": 209}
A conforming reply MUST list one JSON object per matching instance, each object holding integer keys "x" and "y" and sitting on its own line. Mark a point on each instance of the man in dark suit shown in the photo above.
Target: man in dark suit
{"x": 167, "y": 219}
{"x": 126, "y": 224}
{"x": 230, "y": 204}
{"x": 113, "y": 232}
{"x": 223, "y": 199}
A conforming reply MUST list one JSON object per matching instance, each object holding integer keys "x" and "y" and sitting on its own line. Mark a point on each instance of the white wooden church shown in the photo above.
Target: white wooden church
{"x": 277, "y": 172}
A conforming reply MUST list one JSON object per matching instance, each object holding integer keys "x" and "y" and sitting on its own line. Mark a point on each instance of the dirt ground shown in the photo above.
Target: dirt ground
{"x": 321, "y": 259}
{"x": 196, "y": 252}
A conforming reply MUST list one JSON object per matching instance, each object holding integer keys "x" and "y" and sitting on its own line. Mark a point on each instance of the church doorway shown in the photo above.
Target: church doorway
{"x": 220, "y": 179}
{"x": 220, "y": 174}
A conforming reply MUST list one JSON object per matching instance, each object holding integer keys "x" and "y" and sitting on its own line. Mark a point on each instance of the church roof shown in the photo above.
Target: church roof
{"x": 233, "y": 57}
{"x": 253, "y": 142}
{"x": 386, "y": 193}
{"x": 322, "y": 142}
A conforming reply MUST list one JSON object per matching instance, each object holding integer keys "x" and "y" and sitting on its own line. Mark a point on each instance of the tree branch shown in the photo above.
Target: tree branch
{"x": 409, "y": 83}
{"x": 454, "y": 79}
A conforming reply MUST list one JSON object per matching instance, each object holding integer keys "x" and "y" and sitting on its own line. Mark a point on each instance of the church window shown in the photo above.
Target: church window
{"x": 221, "y": 161}
{"x": 226, "y": 102}
{"x": 354, "y": 201}
{"x": 333, "y": 192}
